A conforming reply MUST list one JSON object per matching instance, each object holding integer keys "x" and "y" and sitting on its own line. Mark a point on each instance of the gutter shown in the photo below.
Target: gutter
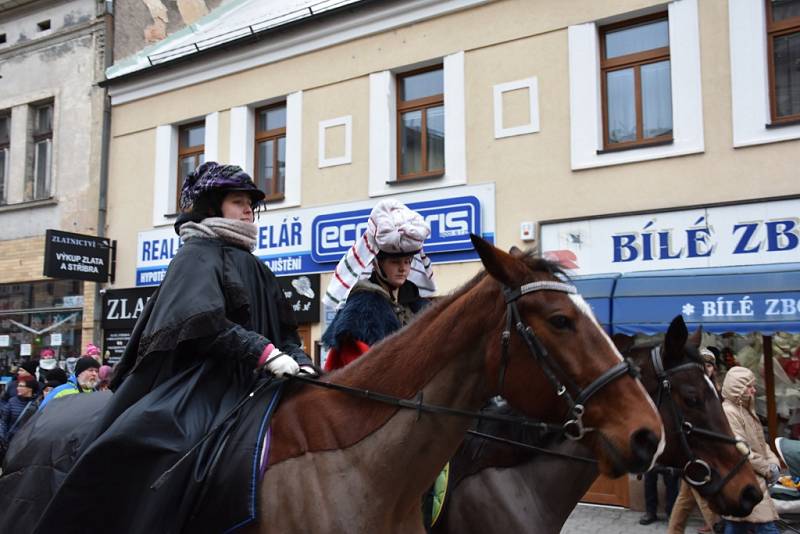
{"x": 240, "y": 42}
{"x": 105, "y": 146}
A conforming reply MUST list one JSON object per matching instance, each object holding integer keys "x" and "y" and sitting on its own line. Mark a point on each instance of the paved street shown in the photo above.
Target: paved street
{"x": 593, "y": 519}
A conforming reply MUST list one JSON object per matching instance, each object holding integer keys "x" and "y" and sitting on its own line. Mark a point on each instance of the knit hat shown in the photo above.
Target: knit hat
{"x": 84, "y": 363}
{"x": 55, "y": 377}
{"x": 47, "y": 359}
{"x": 30, "y": 366}
{"x": 105, "y": 372}
{"x": 212, "y": 176}
{"x": 92, "y": 350}
{"x": 392, "y": 229}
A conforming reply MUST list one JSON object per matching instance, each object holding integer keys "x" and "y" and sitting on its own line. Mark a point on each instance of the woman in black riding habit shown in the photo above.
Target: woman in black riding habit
{"x": 218, "y": 316}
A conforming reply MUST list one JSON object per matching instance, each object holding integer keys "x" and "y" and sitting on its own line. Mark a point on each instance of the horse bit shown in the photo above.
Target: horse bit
{"x": 573, "y": 428}
{"x": 696, "y": 472}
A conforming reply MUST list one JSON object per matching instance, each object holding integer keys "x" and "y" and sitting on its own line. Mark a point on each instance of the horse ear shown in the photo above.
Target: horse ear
{"x": 674, "y": 342}
{"x": 697, "y": 337}
{"x": 500, "y": 265}
{"x": 622, "y": 342}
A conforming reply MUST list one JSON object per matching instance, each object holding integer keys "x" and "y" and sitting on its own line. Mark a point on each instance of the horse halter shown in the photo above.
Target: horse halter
{"x": 573, "y": 427}
{"x": 696, "y": 472}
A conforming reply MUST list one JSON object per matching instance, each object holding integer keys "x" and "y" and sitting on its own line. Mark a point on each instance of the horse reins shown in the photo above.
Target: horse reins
{"x": 686, "y": 428}
{"x": 528, "y": 446}
{"x": 573, "y": 428}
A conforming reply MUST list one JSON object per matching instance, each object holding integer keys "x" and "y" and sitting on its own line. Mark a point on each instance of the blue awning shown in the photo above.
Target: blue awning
{"x": 753, "y": 298}
{"x": 597, "y": 291}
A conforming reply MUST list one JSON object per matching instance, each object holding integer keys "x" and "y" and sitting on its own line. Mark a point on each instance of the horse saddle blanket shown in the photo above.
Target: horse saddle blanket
{"x": 229, "y": 497}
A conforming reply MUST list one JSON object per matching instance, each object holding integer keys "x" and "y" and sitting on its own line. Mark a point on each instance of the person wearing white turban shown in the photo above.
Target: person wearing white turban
{"x": 379, "y": 284}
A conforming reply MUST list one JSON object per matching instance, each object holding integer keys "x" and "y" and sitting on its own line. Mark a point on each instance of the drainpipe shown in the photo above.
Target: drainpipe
{"x": 102, "y": 208}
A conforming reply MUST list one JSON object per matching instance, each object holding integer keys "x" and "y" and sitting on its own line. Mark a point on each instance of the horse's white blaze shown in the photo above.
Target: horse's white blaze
{"x": 584, "y": 307}
{"x": 710, "y": 384}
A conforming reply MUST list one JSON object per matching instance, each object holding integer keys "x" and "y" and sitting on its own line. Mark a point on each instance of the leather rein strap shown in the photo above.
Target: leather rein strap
{"x": 687, "y": 429}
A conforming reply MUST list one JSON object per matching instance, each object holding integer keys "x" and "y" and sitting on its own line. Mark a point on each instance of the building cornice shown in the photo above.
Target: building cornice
{"x": 60, "y": 36}
{"x": 372, "y": 19}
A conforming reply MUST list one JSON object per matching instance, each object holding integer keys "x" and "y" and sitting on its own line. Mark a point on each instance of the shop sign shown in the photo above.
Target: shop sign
{"x": 114, "y": 344}
{"x": 313, "y": 240}
{"x": 708, "y": 309}
{"x": 302, "y": 293}
{"x": 747, "y": 234}
{"x": 122, "y": 307}
{"x": 77, "y": 256}
{"x": 55, "y": 340}
{"x": 72, "y": 301}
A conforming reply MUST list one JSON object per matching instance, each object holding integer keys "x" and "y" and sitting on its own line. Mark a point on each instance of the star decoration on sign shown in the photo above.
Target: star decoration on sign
{"x": 687, "y": 309}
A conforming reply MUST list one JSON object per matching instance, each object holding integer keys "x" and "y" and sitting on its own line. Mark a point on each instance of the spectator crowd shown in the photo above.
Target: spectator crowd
{"x": 36, "y": 382}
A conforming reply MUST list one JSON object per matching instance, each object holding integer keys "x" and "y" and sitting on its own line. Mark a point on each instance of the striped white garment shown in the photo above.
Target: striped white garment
{"x": 392, "y": 227}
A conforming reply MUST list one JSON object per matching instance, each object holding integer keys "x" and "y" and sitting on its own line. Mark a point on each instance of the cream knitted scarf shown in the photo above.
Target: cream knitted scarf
{"x": 239, "y": 233}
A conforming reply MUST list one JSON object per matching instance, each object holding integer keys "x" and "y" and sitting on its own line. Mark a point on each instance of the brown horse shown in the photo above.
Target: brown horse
{"x": 497, "y": 487}
{"x": 339, "y": 463}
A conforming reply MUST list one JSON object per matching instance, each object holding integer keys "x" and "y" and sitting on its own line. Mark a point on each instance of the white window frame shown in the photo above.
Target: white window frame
{"x": 48, "y": 180}
{"x": 586, "y": 119}
{"x": 532, "y": 85}
{"x": 6, "y": 167}
{"x": 211, "y": 150}
{"x": 747, "y": 20}
{"x": 347, "y": 157}
{"x": 242, "y": 146}
{"x": 383, "y": 132}
{"x": 165, "y": 175}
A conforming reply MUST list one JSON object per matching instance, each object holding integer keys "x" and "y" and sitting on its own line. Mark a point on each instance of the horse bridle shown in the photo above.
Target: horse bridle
{"x": 573, "y": 427}
{"x": 686, "y": 428}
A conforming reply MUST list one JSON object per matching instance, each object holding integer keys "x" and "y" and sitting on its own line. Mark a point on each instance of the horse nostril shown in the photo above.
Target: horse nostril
{"x": 749, "y": 498}
{"x": 644, "y": 445}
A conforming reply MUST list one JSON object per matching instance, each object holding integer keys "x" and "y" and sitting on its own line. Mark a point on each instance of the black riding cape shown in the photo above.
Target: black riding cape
{"x": 189, "y": 361}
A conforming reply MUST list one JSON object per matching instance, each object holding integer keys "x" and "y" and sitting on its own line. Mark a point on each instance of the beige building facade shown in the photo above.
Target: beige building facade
{"x": 51, "y": 116}
{"x": 522, "y": 103}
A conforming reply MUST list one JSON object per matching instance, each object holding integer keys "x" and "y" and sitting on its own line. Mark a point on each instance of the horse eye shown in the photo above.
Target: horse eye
{"x": 561, "y": 322}
{"x": 692, "y": 401}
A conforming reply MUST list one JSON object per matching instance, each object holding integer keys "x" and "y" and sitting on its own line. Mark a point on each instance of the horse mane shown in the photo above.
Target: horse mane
{"x": 691, "y": 353}
{"x": 537, "y": 263}
{"x": 530, "y": 259}
{"x": 476, "y": 453}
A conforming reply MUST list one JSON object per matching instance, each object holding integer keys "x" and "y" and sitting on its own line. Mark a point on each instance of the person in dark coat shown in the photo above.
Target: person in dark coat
{"x": 216, "y": 322}
{"x": 26, "y": 370}
{"x": 12, "y": 411}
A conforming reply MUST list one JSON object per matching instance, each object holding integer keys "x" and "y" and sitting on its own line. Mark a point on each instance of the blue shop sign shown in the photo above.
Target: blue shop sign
{"x": 763, "y": 298}
{"x": 451, "y": 221}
